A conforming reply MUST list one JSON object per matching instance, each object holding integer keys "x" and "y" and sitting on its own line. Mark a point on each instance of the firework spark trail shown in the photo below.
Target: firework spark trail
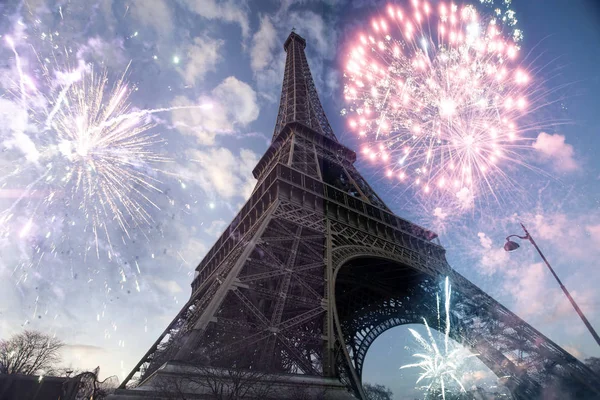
{"x": 98, "y": 154}
{"x": 438, "y": 367}
{"x": 74, "y": 77}
{"x": 437, "y": 94}
{"x": 105, "y": 144}
{"x": 59, "y": 101}
{"x": 26, "y": 192}
{"x": 11, "y": 44}
{"x": 142, "y": 113}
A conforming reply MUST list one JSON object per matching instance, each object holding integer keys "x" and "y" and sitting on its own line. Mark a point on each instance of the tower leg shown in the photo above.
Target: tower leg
{"x": 195, "y": 335}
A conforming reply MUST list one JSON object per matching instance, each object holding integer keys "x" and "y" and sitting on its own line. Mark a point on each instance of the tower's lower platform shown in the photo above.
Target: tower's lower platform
{"x": 180, "y": 381}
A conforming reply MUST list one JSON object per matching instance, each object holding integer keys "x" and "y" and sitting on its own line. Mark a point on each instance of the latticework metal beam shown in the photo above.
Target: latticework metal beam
{"x": 315, "y": 267}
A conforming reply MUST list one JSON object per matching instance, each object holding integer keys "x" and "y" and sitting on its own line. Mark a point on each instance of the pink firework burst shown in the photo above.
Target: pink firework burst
{"x": 437, "y": 95}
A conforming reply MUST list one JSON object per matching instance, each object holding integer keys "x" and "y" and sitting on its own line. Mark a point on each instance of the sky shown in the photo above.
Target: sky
{"x": 110, "y": 299}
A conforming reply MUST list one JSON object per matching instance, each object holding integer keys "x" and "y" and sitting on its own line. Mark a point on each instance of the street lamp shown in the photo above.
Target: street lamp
{"x": 512, "y": 246}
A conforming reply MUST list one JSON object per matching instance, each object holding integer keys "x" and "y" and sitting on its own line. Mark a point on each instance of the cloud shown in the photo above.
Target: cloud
{"x": 228, "y": 11}
{"x": 485, "y": 241}
{"x": 234, "y": 105}
{"x": 332, "y": 80}
{"x": 13, "y": 124}
{"x": 268, "y": 57}
{"x": 192, "y": 252}
{"x": 202, "y": 123}
{"x": 155, "y": 14}
{"x": 321, "y": 47}
{"x": 554, "y": 149}
{"x": 564, "y": 232}
{"x": 83, "y": 348}
{"x": 167, "y": 286}
{"x": 103, "y": 52}
{"x": 574, "y": 351}
{"x": 24, "y": 143}
{"x": 264, "y": 42}
{"x": 528, "y": 288}
{"x": 218, "y": 171}
{"x": 239, "y": 98}
{"x": 594, "y": 232}
{"x": 216, "y": 228}
{"x": 82, "y": 356}
{"x": 439, "y": 213}
{"x": 465, "y": 198}
{"x": 492, "y": 257}
{"x": 201, "y": 57}
{"x": 585, "y": 299}
{"x": 316, "y": 31}
{"x": 268, "y": 80}
{"x": 12, "y": 116}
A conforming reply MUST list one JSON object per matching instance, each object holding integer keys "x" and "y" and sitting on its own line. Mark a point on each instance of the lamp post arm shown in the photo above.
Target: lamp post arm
{"x": 564, "y": 289}
{"x": 526, "y": 237}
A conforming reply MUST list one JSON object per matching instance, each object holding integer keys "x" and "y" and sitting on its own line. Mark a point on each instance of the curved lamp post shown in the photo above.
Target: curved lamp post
{"x": 512, "y": 246}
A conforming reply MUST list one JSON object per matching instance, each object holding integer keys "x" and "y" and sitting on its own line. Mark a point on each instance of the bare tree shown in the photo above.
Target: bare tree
{"x": 29, "y": 353}
{"x": 377, "y": 392}
{"x": 85, "y": 386}
{"x": 220, "y": 383}
{"x": 305, "y": 394}
{"x": 236, "y": 384}
{"x": 233, "y": 384}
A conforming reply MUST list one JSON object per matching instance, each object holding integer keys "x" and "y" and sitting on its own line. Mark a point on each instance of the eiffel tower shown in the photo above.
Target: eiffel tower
{"x": 315, "y": 267}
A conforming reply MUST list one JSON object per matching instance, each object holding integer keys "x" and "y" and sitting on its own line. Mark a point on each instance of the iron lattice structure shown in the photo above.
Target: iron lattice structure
{"x": 315, "y": 267}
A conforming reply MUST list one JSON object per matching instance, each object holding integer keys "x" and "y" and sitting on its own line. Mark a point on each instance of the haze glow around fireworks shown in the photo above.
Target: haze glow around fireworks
{"x": 437, "y": 94}
{"x": 440, "y": 364}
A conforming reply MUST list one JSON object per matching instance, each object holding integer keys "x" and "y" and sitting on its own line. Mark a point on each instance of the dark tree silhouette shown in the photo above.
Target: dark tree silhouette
{"x": 30, "y": 353}
{"x": 86, "y": 386}
{"x": 219, "y": 383}
{"x": 377, "y": 392}
{"x": 475, "y": 393}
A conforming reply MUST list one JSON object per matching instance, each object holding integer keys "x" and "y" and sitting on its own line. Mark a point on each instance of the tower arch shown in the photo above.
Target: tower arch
{"x": 375, "y": 292}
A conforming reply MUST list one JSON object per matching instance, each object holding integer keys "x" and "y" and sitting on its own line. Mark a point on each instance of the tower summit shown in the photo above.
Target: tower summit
{"x": 312, "y": 270}
{"x": 299, "y": 99}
